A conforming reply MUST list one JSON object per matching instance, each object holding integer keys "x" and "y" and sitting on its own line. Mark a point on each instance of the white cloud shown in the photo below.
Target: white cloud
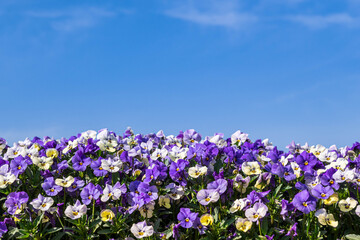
{"x": 212, "y": 13}
{"x": 319, "y": 21}
{"x": 73, "y": 19}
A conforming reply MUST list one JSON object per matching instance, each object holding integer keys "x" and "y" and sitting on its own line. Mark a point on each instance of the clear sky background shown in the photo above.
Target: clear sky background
{"x": 278, "y": 69}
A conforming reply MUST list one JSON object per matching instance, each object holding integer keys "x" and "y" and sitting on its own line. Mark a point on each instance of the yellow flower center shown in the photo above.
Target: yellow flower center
{"x": 75, "y": 213}
{"x": 43, "y": 205}
{"x": 304, "y": 204}
{"x": 80, "y": 163}
{"x": 306, "y": 163}
{"x": 323, "y": 195}
{"x": 187, "y": 220}
{"x": 207, "y": 199}
{"x": 19, "y": 167}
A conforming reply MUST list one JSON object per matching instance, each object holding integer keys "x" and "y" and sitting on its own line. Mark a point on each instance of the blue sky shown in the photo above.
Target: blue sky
{"x": 279, "y": 69}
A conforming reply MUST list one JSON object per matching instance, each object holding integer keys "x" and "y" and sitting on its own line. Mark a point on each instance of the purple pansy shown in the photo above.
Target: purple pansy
{"x": 90, "y": 192}
{"x": 14, "y": 201}
{"x": 322, "y": 192}
{"x": 50, "y": 187}
{"x": 219, "y": 185}
{"x": 304, "y": 202}
{"x": 186, "y": 217}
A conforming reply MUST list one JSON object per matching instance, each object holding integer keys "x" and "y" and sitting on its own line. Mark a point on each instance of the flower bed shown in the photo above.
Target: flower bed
{"x": 102, "y": 185}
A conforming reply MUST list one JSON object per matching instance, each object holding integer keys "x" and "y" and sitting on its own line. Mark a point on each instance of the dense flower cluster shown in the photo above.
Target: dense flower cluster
{"x": 108, "y": 186}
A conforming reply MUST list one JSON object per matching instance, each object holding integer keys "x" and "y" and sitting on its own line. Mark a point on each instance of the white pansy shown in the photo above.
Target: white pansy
{"x": 42, "y": 162}
{"x": 70, "y": 145}
{"x": 65, "y": 182}
{"x": 159, "y": 153}
{"x": 347, "y": 205}
{"x": 258, "y": 211}
{"x": 326, "y": 219}
{"x": 237, "y": 205}
{"x": 141, "y": 230}
{"x": 6, "y": 176}
{"x": 239, "y": 137}
{"x": 317, "y": 150}
{"x": 251, "y": 168}
{"x": 147, "y": 209}
{"x": 328, "y": 156}
{"x": 197, "y": 171}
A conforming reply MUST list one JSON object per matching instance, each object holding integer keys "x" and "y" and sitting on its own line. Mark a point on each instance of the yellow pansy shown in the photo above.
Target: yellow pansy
{"x": 243, "y": 224}
{"x": 107, "y": 215}
{"x": 206, "y": 219}
{"x": 332, "y": 199}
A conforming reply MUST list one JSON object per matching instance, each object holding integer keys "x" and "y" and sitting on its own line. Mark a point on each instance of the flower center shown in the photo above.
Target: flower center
{"x": 304, "y": 204}
{"x": 177, "y": 169}
{"x": 187, "y": 220}
{"x": 306, "y": 163}
{"x": 75, "y": 213}
{"x": 80, "y": 163}
{"x": 323, "y": 195}
{"x": 207, "y": 199}
{"x": 43, "y": 205}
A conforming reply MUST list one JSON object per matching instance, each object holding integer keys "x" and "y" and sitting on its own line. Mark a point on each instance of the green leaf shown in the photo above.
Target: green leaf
{"x": 353, "y": 237}
{"x": 277, "y": 190}
{"x": 94, "y": 223}
{"x": 52, "y": 230}
{"x": 24, "y": 236}
{"x": 227, "y": 223}
{"x": 218, "y": 165}
{"x": 264, "y": 226}
{"x": 37, "y": 220}
{"x": 12, "y": 232}
{"x": 59, "y": 236}
{"x": 216, "y": 214}
{"x": 105, "y": 231}
{"x": 71, "y": 221}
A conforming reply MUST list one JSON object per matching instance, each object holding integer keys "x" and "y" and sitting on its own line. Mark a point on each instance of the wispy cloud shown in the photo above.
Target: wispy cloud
{"x": 214, "y": 13}
{"x": 321, "y": 21}
{"x": 73, "y": 19}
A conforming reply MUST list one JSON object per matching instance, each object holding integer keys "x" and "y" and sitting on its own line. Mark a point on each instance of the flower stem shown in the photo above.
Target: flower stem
{"x": 93, "y": 209}
{"x": 260, "y": 228}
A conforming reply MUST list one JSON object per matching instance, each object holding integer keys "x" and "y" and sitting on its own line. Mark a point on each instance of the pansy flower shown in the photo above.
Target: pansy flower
{"x": 76, "y": 211}
{"x": 346, "y": 205}
{"x": 205, "y": 196}
{"x": 42, "y": 203}
{"x": 14, "y": 202}
{"x": 304, "y": 202}
{"x": 50, "y": 187}
{"x": 258, "y": 211}
{"x": 186, "y": 217}
{"x": 142, "y": 230}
